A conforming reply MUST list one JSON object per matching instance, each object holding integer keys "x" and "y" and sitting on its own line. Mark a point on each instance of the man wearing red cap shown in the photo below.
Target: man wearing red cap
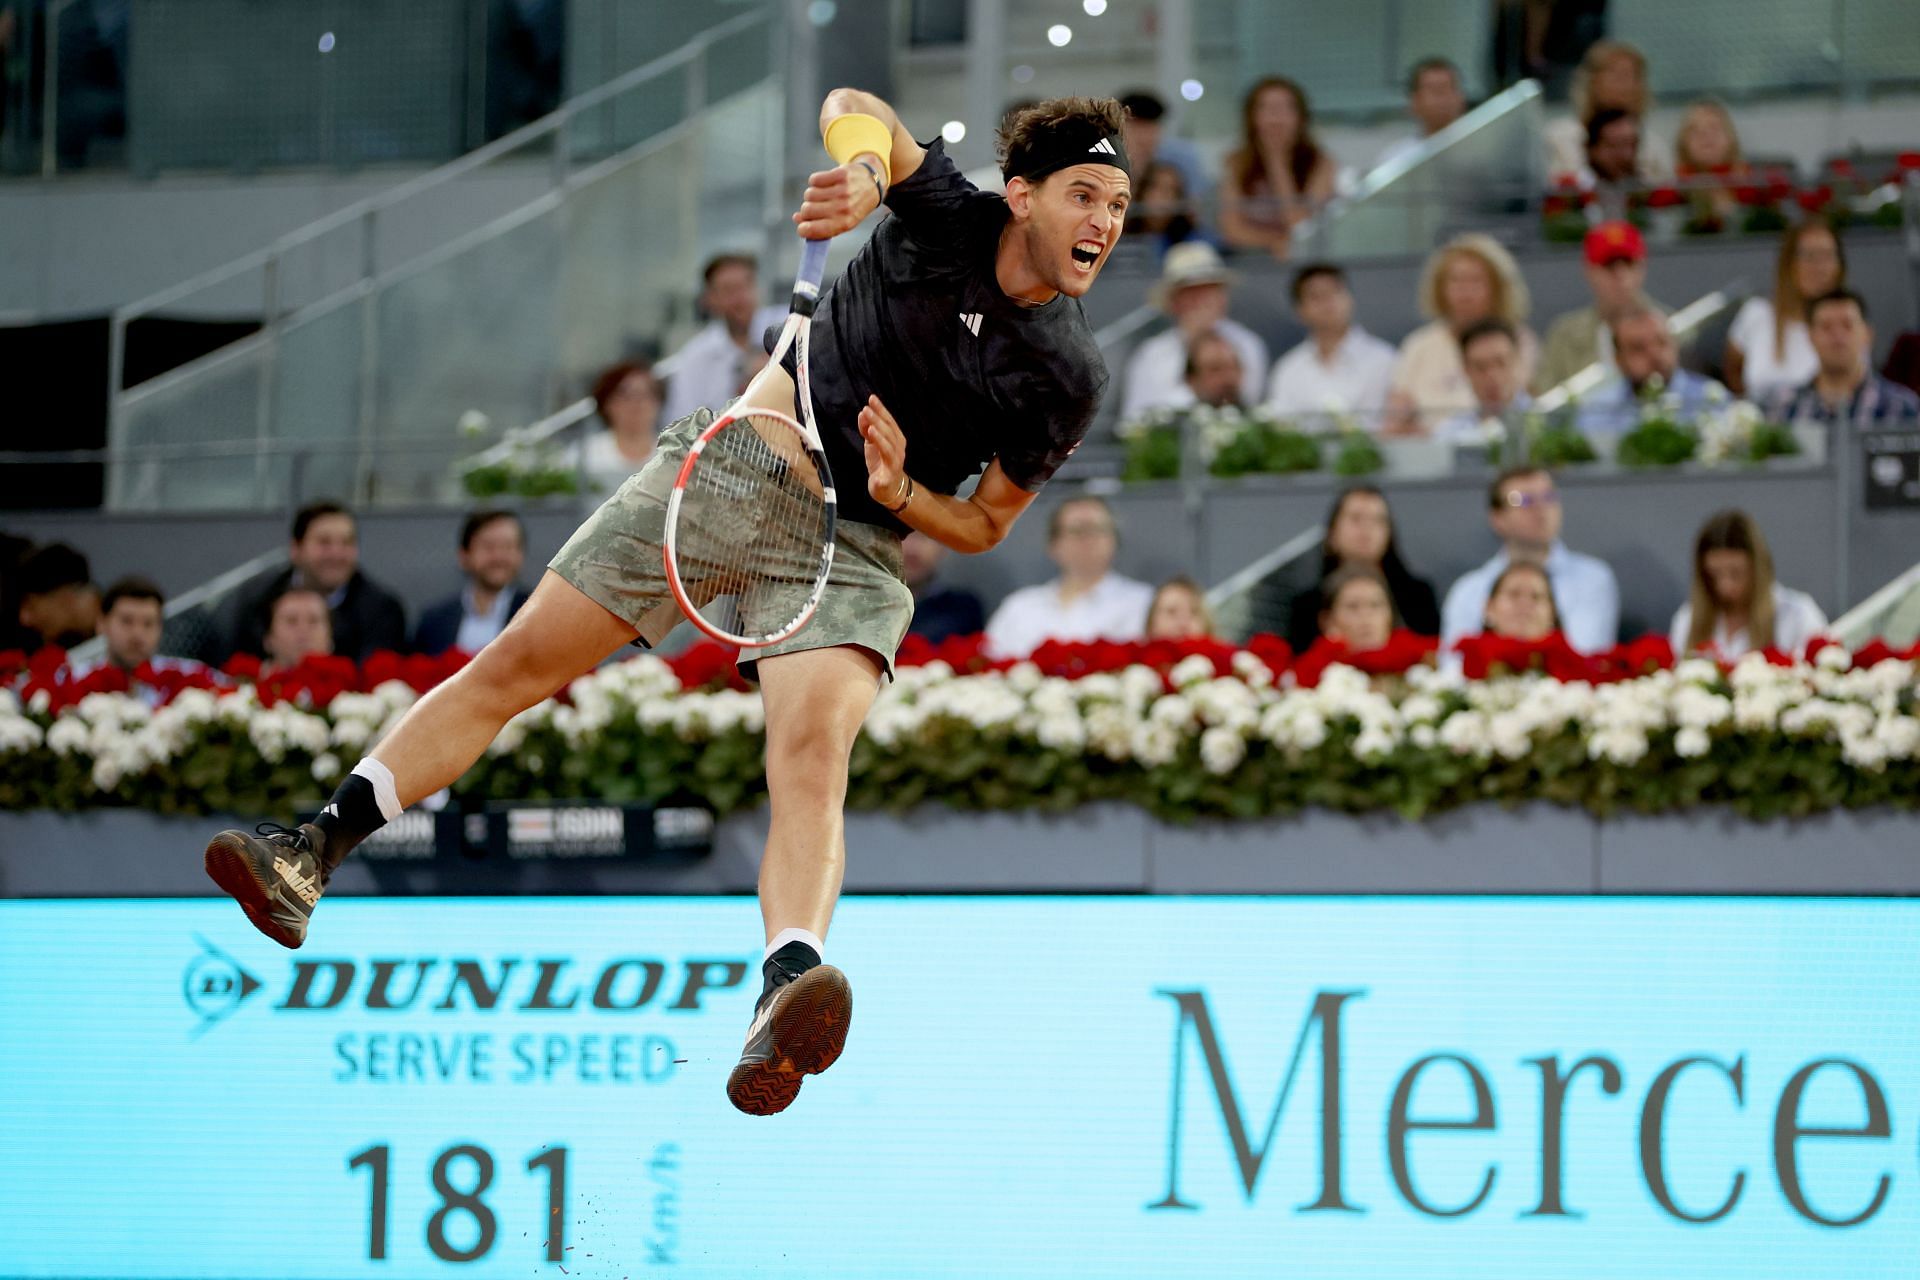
{"x": 1616, "y": 268}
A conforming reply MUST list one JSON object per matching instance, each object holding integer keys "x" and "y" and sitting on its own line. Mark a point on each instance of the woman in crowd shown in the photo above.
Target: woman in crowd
{"x": 1736, "y": 605}
{"x": 1179, "y": 612}
{"x": 1279, "y": 174}
{"x": 1520, "y": 606}
{"x": 1360, "y": 535}
{"x": 1359, "y": 610}
{"x": 1612, "y": 77}
{"x": 1468, "y": 279}
{"x": 1707, "y": 157}
{"x": 1768, "y": 348}
{"x": 1163, "y": 209}
{"x": 628, "y": 397}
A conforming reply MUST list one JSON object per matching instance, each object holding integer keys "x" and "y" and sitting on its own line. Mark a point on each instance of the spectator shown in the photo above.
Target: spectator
{"x": 1768, "y": 349}
{"x": 1490, "y": 353}
{"x": 1179, "y": 611}
{"x": 1612, "y": 77}
{"x": 1523, "y": 507}
{"x": 324, "y": 554}
{"x": 1149, "y": 145}
{"x": 1164, "y": 208}
{"x": 1359, "y": 535}
{"x": 1611, "y": 171}
{"x": 1846, "y": 391}
{"x": 1736, "y": 606}
{"x": 1359, "y": 608}
{"x": 493, "y": 549}
{"x": 1213, "y": 373}
{"x": 132, "y": 621}
{"x": 1194, "y": 289}
{"x": 1279, "y": 174}
{"x": 1340, "y": 368}
{"x": 628, "y": 397}
{"x": 1470, "y": 278}
{"x": 1616, "y": 271}
{"x": 1520, "y": 605}
{"x": 1706, "y": 156}
{"x": 1434, "y": 100}
{"x": 939, "y": 613}
{"x": 59, "y": 605}
{"x": 298, "y": 627}
{"x": 1088, "y": 601}
{"x": 715, "y": 364}
{"x": 1649, "y": 373}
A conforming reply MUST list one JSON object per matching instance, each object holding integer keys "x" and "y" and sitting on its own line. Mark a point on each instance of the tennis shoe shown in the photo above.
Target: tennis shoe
{"x": 276, "y": 875}
{"x": 798, "y": 1030}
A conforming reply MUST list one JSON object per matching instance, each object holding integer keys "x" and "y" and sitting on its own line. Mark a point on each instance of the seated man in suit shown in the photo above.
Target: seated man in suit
{"x": 493, "y": 547}
{"x": 324, "y": 554}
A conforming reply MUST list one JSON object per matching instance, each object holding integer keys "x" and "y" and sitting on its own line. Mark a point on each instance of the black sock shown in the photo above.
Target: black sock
{"x": 783, "y": 966}
{"x": 350, "y": 817}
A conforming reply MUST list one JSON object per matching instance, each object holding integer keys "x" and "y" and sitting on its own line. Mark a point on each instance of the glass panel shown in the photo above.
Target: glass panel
{"x": 1489, "y": 173}
{"x": 204, "y": 429}
{"x": 315, "y": 429}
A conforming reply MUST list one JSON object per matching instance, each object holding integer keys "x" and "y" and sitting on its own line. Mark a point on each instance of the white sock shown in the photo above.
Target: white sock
{"x": 785, "y": 936}
{"x": 384, "y": 793}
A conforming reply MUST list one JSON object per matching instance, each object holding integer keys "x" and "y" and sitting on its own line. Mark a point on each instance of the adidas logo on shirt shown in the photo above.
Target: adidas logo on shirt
{"x": 971, "y": 319}
{"x": 1103, "y": 147}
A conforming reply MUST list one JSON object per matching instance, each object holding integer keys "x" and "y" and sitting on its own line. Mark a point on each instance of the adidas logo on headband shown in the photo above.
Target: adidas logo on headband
{"x": 1103, "y": 147}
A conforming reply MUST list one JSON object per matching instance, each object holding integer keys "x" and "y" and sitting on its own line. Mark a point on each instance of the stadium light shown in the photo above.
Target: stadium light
{"x": 1191, "y": 90}
{"x": 953, "y": 131}
{"x": 1058, "y": 34}
{"x": 1094, "y": 8}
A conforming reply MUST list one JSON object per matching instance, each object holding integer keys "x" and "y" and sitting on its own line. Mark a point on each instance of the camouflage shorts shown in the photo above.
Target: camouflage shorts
{"x": 616, "y": 559}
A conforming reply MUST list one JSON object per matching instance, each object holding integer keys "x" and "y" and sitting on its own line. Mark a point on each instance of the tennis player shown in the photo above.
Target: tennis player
{"x": 954, "y": 342}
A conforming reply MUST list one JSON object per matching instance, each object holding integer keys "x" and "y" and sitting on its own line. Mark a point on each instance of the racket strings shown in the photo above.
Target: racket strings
{"x": 752, "y": 527}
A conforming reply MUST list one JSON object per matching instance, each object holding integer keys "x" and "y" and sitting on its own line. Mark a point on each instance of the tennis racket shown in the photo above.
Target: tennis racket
{"x": 749, "y": 539}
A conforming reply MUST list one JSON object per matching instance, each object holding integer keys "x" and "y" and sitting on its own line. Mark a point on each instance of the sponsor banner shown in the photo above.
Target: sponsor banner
{"x": 580, "y": 829}
{"x": 1044, "y": 1087}
{"x": 1892, "y": 470}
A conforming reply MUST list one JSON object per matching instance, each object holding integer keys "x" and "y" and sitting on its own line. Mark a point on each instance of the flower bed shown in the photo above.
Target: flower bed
{"x": 1188, "y": 730}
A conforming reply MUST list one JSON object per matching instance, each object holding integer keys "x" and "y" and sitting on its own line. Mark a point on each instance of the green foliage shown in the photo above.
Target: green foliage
{"x": 1263, "y": 448}
{"x": 1357, "y": 455}
{"x": 1657, "y": 442}
{"x": 1153, "y": 453}
{"x": 1558, "y": 444}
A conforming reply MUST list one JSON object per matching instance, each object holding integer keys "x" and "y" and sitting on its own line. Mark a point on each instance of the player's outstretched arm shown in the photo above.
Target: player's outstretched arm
{"x": 971, "y": 524}
{"x": 874, "y": 151}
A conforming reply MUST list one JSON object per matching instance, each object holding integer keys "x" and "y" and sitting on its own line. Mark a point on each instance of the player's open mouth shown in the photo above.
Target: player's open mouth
{"x": 1087, "y": 252}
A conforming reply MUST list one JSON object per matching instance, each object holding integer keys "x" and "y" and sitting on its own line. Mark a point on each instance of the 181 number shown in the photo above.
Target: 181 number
{"x": 454, "y": 1200}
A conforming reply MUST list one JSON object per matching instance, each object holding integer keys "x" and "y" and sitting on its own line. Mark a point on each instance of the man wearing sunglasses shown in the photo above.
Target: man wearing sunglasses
{"x": 1523, "y": 507}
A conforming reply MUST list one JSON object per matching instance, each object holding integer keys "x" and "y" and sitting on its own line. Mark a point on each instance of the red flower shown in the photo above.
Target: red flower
{"x": 1664, "y": 198}
{"x": 47, "y": 661}
{"x": 1750, "y": 196}
{"x": 1272, "y": 650}
{"x": 12, "y": 660}
{"x": 1814, "y": 199}
{"x": 707, "y": 665}
{"x": 1402, "y": 652}
{"x": 1840, "y": 167}
{"x": 1487, "y": 654}
{"x": 243, "y": 666}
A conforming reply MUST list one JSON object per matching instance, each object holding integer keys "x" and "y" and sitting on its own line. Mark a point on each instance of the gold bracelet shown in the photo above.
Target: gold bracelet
{"x": 906, "y": 495}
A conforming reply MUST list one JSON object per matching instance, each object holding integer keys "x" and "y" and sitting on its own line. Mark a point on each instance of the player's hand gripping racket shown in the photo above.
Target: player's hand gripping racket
{"x": 749, "y": 539}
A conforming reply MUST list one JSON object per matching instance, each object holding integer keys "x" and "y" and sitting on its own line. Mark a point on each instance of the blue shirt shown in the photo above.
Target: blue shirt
{"x": 1584, "y": 593}
{"x": 1614, "y": 408}
{"x": 1876, "y": 401}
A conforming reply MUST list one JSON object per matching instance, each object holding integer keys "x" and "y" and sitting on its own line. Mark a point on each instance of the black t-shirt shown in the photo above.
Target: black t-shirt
{"x": 919, "y": 320}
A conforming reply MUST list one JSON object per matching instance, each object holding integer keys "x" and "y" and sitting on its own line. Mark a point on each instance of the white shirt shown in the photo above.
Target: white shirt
{"x": 1584, "y": 592}
{"x": 1116, "y": 609}
{"x": 711, "y": 369}
{"x": 478, "y": 628}
{"x": 1796, "y": 620}
{"x": 1355, "y": 381}
{"x": 1767, "y": 372}
{"x": 1157, "y": 370}
{"x": 602, "y": 467}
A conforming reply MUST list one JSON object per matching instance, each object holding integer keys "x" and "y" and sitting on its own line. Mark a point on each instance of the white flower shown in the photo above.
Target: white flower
{"x": 1619, "y": 744}
{"x": 1155, "y": 744}
{"x": 326, "y": 767}
{"x": 1222, "y": 750}
{"x": 1023, "y": 677}
{"x": 1833, "y": 658}
{"x": 474, "y": 423}
{"x": 1191, "y": 670}
{"x": 106, "y": 772}
{"x": 1692, "y": 742}
{"x": 67, "y": 736}
{"x": 39, "y": 702}
{"x": 1374, "y": 743}
{"x": 1174, "y": 710}
{"x": 1423, "y": 736}
{"x": 1066, "y": 733}
{"x": 1465, "y": 733}
{"x": 1252, "y": 671}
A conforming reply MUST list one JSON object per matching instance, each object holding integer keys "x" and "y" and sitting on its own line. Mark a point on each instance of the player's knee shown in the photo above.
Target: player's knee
{"x": 815, "y": 743}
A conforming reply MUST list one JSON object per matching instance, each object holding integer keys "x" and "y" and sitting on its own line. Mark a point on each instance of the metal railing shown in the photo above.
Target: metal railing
{"x": 332, "y": 284}
{"x": 1892, "y": 614}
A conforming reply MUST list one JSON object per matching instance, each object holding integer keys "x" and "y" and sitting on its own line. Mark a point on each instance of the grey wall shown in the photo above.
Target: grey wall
{"x": 1643, "y": 524}
{"x": 85, "y": 245}
{"x": 1101, "y": 849}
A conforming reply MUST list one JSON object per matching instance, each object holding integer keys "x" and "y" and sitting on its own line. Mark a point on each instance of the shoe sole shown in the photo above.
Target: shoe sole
{"x": 231, "y": 869}
{"x": 809, "y": 1031}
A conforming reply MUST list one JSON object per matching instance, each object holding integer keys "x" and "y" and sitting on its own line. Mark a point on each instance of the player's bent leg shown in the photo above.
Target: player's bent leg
{"x": 815, "y": 703}
{"x": 277, "y": 874}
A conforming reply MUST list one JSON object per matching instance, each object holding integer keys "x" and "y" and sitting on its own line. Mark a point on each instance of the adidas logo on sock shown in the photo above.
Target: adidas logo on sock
{"x": 306, "y": 886}
{"x": 1103, "y": 147}
{"x": 971, "y": 319}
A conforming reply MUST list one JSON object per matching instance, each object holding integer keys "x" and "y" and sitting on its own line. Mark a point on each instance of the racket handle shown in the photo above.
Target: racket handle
{"x": 813, "y": 266}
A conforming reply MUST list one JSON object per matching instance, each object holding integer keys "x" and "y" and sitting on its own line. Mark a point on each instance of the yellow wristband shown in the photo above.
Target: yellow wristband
{"x": 857, "y": 133}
